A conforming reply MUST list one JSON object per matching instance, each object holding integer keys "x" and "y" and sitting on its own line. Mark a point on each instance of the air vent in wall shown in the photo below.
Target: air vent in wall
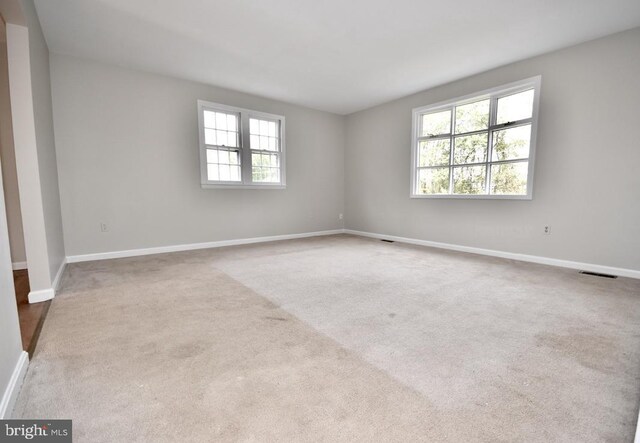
{"x": 597, "y": 274}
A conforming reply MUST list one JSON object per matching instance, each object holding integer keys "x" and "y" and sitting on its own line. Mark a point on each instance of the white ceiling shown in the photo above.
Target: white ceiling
{"x": 334, "y": 55}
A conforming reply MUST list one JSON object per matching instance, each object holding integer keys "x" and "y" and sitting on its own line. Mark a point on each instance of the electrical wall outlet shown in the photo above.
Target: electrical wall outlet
{"x": 340, "y": 216}
{"x": 547, "y": 230}
{"x": 104, "y": 227}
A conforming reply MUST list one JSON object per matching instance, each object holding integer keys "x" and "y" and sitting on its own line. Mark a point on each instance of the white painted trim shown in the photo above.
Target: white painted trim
{"x": 41, "y": 295}
{"x": 19, "y": 265}
{"x": 493, "y": 95}
{"x": 26, "y": 150}
{"x": 192, "y": 246}
{"x": 244, "y": 147}
{"x": 48, "y": 294}
{"x": 622, "y": 272}
{"x": 58, "y": 277}
{"x": 12, "y": 390}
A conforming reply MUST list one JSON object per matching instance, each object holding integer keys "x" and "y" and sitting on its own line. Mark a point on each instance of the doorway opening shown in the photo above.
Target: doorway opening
{"x": 31, "y": 316}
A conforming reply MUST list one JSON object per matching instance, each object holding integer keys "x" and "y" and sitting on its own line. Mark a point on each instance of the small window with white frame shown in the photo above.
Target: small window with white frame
{"x": 240, "y": 148}
{"x": 477, "y": 146}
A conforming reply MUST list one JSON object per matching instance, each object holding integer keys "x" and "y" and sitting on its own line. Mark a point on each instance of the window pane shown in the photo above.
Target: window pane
{"x": 264, "y": 127}
{"x": 469, "y": 179}
{"x": 221, "y": 138}
{"x": 436, "y": 123}
{"x": 223, "y": 165}
{"x": 509, "y": 178}
{"x": 209, "y": 137}
{"x": 515, "y": 107}
{"x": 434, "y": 152}
{"x": 472, "y": 117}
{"x": 265, "y": 174}
{"x": 263, "y": 134}
{"x": 221, "y": 120}
{"x": 470, "y": 148}
{"x": 225, "y": 173}
{"x": 254, "y": 126}
{"x": 212, "y": 172}
{"x": 209, "y": 119}
{"x": 235, "y": 173}
{"x": 212, "y": 156}
{"x": 223, "y": 157}
{"x": 232, "y": 139}
{"x": 267, "y": 160}
{"x": 257, "y": 174}
{"x": 231, "y": 123}
{"x": 433, "y": 181}
{"x": 512, "y": 143}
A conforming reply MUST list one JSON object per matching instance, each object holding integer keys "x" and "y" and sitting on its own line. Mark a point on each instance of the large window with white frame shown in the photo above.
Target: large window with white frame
{"x": 240, "y": 148}
{"x": 477, "y": 146}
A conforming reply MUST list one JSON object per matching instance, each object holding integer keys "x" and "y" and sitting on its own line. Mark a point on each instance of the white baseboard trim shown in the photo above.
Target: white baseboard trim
{"x": 193, "y": 246}
{"x": 41, "y": 295}
{"x": 12, "y": 390}
{"x": 47, "y": 294}
{"x": 58, "y": 277}
{"x": 19, "y": 265}
{"x": 621, "y": 272}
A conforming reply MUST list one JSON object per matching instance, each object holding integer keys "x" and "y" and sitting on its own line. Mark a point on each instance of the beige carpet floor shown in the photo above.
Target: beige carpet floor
{"x": 337, "y": 339}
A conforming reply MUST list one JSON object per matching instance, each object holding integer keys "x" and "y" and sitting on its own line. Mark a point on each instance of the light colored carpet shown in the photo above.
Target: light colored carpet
{"x": 337, "y": 339}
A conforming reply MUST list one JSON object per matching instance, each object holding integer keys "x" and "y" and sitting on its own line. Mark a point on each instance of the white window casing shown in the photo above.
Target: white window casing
{"x": 506, "y": 116}
{"x": 240, "y": 148}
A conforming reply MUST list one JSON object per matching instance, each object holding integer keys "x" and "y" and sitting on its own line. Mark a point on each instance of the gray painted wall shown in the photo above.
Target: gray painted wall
{"x": 43, "y": 116}
{"x": 127, "y": 156}
{"x": 10, "y": 341}
{"x": 587, "y": 182}
{"x": 127, "y": 145}
{"x": 8, "y": 157}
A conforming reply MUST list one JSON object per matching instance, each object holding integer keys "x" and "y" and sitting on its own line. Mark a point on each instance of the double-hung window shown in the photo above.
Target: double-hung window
{"x": 240, "y": 148}
{"x": 478, "y": 146}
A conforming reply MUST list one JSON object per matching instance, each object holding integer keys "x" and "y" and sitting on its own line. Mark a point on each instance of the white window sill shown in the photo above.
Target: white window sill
{"x": 475, "y": 197}
{"x": 241, "y": 186}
